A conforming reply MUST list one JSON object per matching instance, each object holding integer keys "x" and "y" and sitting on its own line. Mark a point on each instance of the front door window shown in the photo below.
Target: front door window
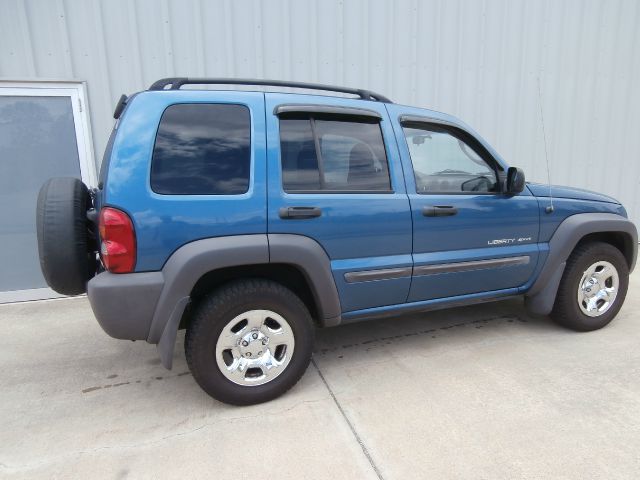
{"x": 444, "y": 163}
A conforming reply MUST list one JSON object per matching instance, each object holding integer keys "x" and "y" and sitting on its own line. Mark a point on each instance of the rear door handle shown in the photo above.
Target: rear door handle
{"x": 299, "y": 213}
{"x": 439, "y": 211}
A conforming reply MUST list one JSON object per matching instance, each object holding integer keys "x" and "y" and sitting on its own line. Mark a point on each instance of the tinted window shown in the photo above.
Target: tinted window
{"x": 348, "y": 156}
{"x": 298, "y": 153}
{"x": 443, "y": 163}
{"x": 202, "y": 149}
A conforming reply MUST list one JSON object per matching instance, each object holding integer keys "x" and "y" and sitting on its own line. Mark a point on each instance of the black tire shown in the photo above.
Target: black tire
{"x": 216, "y": 310}
{"x": 566, "y": 309}
{"x": 63, "y": 235}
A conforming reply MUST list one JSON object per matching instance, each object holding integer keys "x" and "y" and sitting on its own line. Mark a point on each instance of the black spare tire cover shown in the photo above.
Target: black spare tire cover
{"x": 66, "y": 251}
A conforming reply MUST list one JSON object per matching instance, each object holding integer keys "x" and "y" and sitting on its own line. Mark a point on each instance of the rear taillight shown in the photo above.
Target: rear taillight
{"x": 117, "y": 241}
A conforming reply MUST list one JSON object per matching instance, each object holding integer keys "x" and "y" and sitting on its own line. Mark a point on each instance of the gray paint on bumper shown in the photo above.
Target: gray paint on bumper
{"x": 124, "y": 303}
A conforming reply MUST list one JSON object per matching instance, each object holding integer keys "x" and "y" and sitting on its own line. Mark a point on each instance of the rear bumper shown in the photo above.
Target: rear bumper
{"x": 124, "y": 304}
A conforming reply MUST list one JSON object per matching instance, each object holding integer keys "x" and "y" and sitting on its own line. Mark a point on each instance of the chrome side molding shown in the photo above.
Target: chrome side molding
{"x": 381, "y": 274}
{"x": 471, "y": 265}
{"x": 391, "y": 273}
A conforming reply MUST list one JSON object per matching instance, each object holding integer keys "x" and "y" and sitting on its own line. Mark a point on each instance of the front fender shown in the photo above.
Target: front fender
{"x": 539, "y": 299}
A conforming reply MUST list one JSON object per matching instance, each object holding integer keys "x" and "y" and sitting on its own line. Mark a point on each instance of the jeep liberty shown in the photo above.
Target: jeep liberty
{"x": 250, "y": 218}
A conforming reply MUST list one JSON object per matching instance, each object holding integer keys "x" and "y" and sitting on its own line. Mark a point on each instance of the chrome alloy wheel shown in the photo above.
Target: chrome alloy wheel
{"x": 598, "y": 288}
{"x": 255, "y": 347}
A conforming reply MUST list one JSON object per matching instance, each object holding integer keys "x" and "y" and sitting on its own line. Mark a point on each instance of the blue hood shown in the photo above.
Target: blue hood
{"x": 542, "y": 190}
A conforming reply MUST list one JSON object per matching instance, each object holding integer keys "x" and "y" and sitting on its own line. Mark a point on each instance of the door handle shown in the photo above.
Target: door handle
{"x": 439, "y": 211}
{"x": 299, "y": 213}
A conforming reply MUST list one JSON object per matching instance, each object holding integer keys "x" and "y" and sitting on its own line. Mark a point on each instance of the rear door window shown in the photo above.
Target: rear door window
{"x": 324, "y": 155}
{"x": 202, "y": 149}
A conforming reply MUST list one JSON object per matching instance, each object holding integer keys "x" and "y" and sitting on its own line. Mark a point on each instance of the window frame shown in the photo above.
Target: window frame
{"x": 251, "y": 153}
{"x": 330, "y": 114}
{"x": 462, "y": 135}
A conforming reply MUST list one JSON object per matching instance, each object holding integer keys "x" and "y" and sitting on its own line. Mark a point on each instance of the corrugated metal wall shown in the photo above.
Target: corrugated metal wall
{"x": 479, "y": 60}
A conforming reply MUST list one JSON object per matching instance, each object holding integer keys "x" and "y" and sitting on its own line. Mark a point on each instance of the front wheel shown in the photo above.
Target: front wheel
{"x": 593, "y": 287}
{"x": 249, "y": 342}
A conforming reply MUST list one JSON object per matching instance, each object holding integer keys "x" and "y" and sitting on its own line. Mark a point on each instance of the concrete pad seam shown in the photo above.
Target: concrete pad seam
{"x": 364, "y": 448}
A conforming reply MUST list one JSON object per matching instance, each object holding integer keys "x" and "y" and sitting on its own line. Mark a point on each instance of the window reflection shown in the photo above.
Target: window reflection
{"x": 202, "y": 149}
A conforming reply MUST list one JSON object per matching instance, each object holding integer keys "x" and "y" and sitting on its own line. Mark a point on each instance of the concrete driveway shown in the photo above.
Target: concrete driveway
{"x": 482, "y": 392}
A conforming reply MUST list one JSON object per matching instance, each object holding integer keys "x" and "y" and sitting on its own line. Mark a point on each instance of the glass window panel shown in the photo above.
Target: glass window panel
{"x": 443, "y": 163}
{"x": 37, "y": 142}
{"x": 202, "y": 149}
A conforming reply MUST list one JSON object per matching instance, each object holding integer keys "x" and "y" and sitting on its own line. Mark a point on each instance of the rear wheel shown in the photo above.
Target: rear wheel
{"x": 249, "y": 342}
{"x": 593, "y": 287}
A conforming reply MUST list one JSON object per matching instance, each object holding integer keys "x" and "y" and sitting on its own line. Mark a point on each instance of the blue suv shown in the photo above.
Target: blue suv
{"x": 250, "y": 218}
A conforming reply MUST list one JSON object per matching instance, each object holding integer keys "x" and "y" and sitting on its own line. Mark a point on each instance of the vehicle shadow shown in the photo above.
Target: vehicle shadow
{"x": 424, "y": 334}
{"x": 450, "y": 327}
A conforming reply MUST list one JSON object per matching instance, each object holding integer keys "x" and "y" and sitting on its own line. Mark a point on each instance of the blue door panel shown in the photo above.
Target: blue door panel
{"x": 481, "y": 219}
{"x": 358, "y": 295}
{"x": 375, "y": 293}
{"x": 354, "y": 228}
{"x": 477, "y": 232}
{"x": 482, "y": 279}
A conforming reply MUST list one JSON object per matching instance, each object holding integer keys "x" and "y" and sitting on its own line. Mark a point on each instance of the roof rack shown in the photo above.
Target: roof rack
{"x": 176, "y": 83}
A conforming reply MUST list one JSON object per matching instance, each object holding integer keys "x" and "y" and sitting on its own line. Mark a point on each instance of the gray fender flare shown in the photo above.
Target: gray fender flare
{"x": 307, "y": 255}
{"x": 539, "y": 299}
{"x": 184, "y": 268}
{"x": 191, "y": 261}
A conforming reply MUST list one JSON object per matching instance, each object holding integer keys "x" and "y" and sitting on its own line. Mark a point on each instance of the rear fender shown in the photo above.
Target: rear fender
{"x": 190, "y": 262}
{"x": 182, "y": 271}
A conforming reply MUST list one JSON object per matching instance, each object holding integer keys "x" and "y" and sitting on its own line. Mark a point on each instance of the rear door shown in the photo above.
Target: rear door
{"x": 335, "y": 176}
{"x": 468, "y": 236}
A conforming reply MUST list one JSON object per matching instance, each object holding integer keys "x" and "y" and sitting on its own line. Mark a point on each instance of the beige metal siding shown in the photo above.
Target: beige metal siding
{"x": 479, "y": 60}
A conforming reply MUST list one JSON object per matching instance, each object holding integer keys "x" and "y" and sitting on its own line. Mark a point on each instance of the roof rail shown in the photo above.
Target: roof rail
{"x": 176, "y": 83}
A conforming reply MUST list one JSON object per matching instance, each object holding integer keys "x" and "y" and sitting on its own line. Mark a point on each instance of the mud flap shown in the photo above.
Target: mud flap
{"x": 167, "y": 342}
{"x": 541, "y": 303}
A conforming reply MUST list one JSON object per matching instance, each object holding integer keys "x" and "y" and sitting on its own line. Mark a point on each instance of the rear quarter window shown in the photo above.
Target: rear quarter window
{"x": 202, "y": 149}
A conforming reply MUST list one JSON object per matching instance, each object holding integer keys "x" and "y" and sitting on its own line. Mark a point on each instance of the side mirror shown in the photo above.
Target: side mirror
{"x": 515, "y": 181}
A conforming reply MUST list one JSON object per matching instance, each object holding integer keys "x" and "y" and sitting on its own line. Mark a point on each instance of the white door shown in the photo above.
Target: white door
{"x": 44, "y": 133}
